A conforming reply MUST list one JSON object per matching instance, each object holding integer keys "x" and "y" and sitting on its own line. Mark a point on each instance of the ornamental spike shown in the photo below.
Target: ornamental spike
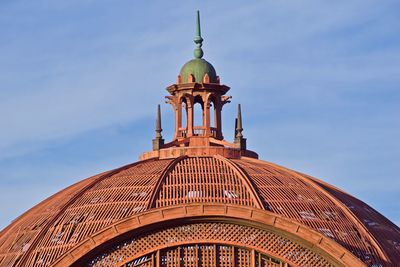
{"x": 158, "y": 141}
{"x": 158, "y": 122}
{"x": 198, "y": 40}
{"x": 239, "y": 140}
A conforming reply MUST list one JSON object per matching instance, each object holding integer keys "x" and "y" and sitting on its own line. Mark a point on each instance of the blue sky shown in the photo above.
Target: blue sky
{"x": 80, "y": 80}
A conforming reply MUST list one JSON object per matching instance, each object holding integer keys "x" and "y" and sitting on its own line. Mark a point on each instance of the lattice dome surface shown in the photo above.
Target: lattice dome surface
{"x": 52, "y": 228}
{"x": 200, "y": 201}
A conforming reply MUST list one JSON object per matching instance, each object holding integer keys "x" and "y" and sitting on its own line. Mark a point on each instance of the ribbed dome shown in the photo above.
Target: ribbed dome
{"x": 200, "y": 201}
{"x": 49, "y": 230}
{"x": 198, "y": 68}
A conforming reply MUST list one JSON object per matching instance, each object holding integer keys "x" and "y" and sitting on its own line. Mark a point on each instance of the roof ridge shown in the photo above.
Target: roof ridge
{"x": 164, "y": 174}
{"x": 245, "y": 178}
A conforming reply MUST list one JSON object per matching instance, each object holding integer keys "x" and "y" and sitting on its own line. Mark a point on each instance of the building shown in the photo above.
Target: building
{"x": 200, "y": 200}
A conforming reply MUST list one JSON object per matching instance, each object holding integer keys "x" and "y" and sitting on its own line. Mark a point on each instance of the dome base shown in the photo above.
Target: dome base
{"x": 198, "y": 148}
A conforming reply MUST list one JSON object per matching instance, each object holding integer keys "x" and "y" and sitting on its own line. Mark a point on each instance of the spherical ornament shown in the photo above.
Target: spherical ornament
{"x": 198, "y": 53}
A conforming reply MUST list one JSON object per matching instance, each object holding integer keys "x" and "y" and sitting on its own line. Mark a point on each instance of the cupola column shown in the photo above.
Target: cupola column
{"x": 217, "y": 119}
{"x": 190, "y": 120}
{"x": 207, "y": 122}
{"x": 178, "y": 119}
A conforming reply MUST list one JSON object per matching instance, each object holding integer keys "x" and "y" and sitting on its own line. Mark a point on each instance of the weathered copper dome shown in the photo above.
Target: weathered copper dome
{"x": 200, "y": 201}
{"x": 198, "y": 68}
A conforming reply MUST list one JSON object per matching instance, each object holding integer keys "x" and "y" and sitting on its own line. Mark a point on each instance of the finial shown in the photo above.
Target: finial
{"x": 198, "y": 52}
{"x": 158, "y": 123}
{"x": 158, "y": 142}
{"x": 239, "y": 140}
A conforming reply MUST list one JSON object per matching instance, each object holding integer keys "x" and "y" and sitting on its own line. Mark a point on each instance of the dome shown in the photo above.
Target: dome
{"x": 199, "y": 200}
{"x": 198, "y": 67}
{"x": 75, "y": 219}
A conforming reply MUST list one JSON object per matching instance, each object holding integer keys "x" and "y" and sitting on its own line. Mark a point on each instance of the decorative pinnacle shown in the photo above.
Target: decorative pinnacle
{"x": 239, "y": 127}
{"x": 158, "y": 123}
{"x": 198, "y": 52}
{"x": 239, "y": 140}
{"x": 158, "y": 142}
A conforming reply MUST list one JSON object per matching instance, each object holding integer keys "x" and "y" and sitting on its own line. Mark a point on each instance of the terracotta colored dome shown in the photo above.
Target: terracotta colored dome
{"x": 70, "y": 218}
{"x": 200, "y": 200}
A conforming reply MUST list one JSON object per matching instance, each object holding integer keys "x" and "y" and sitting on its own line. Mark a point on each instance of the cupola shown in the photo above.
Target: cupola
{"x": 198, "y": 91}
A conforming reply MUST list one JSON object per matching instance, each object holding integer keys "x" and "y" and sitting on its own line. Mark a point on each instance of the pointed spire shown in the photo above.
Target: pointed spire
{"x": 158, "y": 142}
{"x": 158, "y": 123}
{"x": 239, "y": 140}
{"x": 198, "y": 52}
{"x": 198, "y": 30}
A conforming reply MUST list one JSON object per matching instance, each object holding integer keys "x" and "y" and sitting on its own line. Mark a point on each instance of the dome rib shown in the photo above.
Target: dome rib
{"x": 154, "y": 194}
{"x": 250, "y": 186}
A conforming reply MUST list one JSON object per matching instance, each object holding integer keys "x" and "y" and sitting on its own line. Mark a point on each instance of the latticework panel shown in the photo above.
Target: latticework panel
{"x": 286, "y": 193}
{"x": 265, "y": 261}
{"x": 200, "y": 240}
{"x": 18, "y": 237}
{"x": 109, "y": 200}
{"x": 203, "y": 179}
{"x": 384, "y": 231}
{"x": 206, "y": 255}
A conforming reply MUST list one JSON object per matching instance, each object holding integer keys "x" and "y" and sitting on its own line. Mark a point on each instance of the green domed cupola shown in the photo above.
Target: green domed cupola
{"x": 198, "y": 69}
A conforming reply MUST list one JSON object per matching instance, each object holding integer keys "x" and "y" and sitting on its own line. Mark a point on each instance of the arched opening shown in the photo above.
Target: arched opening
{"x": 213, "y": 114}
{"x": 184, "y": 118}
{"x": 198, "y": 116}
{"x": 213, "y": 117}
